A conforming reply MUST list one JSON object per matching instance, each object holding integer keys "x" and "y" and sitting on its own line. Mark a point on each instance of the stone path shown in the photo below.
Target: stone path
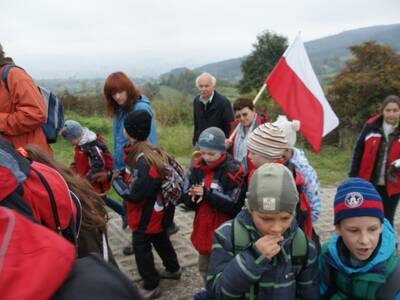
{"x": 191, "y": 282}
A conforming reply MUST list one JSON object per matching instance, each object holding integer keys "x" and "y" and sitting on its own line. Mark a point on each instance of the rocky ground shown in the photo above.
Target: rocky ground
{"x": 191, "y": 282}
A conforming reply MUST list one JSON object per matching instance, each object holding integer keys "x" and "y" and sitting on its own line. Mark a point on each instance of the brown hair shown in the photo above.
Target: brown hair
{"x": 115, "y": 83}
{"x": 94, "y": 214}
{"x": 152, "y": 155}
{"x": 242, "y": 102}
{"x": 390, "y": 99}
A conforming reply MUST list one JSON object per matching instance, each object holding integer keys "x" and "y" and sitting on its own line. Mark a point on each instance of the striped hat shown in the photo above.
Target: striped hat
{"x": 356, "y": 197}
{"x": 268, "y": 140}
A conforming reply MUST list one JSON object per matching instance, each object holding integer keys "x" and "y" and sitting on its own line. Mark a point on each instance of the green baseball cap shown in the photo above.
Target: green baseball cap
{"x": 272, "y": 189}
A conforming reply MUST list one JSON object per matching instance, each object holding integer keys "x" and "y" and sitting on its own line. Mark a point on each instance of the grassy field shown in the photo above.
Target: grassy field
{"x": 331, "y": 163}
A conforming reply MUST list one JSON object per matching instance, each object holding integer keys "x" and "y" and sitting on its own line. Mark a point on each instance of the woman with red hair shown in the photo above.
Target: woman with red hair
{"x": 120, "y": 97}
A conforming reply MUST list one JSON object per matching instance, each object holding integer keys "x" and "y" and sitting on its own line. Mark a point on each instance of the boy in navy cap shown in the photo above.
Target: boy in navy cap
{"x": 360, "y": 260}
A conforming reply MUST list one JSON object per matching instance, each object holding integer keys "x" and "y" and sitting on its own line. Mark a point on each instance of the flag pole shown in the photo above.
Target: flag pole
{"x": 254, "y": 102}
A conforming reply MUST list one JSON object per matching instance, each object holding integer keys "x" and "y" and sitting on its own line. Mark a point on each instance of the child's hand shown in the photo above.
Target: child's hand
{"x": 268, "y": 245}
{"x": 196, "y": 192}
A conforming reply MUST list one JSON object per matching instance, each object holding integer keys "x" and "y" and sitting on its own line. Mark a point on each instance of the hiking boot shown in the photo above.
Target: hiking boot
{"x": 128, "y": 250}
{"x": 172, "y": 229}
{"x": 164, "y": 274}
{"x": 150, "y": 294}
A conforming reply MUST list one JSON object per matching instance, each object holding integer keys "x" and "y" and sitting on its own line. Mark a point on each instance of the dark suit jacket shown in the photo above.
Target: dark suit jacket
{"x": 218, "y": 113}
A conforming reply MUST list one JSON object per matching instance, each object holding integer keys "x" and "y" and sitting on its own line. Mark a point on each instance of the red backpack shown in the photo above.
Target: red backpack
{"x": 34, "y": 261}
{"x": 39, "y": 192}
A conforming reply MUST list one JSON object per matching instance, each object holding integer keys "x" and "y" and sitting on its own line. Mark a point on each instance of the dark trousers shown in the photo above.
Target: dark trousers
{"x": 168, "y": 220}
{"x": 114, "y": 205}
{"x": 389, "y": 203}
{"x": 144, "y": 256}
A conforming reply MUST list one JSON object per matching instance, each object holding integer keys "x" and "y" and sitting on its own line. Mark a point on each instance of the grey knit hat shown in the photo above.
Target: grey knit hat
{"x": 272, "y": 189}
{"x": 71, "y": 130}
{"x": 212, "y": 139}
{"x": 2, "y": 54}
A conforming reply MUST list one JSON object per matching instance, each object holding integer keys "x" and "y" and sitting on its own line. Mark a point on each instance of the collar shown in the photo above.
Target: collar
{"x": 206, "y": 101}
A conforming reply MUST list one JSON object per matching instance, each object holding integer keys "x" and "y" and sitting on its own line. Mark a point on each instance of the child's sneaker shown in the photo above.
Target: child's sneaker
{"x": 170, "y": 275}
{"x": 150, "y": 294}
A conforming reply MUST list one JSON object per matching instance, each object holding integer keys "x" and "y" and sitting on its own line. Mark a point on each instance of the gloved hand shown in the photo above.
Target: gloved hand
{"x": 100, "y": 177}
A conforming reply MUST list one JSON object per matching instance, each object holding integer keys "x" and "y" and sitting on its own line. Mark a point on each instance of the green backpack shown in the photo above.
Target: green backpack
{"x": 364, "y": 286}
{"x": 299, "y": 253}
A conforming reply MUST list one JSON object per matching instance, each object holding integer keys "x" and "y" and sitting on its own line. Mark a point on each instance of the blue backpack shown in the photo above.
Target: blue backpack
{"x": 55, "y": 110}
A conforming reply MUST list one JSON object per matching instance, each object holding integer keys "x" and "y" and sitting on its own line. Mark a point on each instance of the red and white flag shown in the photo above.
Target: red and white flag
{"x": 295, "y": 87}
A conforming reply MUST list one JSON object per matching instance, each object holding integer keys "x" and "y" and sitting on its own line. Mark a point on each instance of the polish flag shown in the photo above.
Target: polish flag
{"x": 295, "y": 87}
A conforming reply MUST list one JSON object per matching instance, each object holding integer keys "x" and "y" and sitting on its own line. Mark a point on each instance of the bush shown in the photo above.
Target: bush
{"x": 173, "y": 112}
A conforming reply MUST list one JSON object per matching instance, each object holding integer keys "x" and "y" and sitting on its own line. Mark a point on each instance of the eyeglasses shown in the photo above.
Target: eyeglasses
{"x": 243, "y": 115}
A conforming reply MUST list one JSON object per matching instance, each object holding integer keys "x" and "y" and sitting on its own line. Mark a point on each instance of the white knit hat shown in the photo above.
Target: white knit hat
{"x": 289, "y": 128}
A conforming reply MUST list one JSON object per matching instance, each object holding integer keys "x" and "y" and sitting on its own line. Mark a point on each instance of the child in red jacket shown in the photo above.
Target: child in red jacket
{"x": 146, "y": 206}
{"x": 212, "y": 187}
{"x": 92, "y": 160}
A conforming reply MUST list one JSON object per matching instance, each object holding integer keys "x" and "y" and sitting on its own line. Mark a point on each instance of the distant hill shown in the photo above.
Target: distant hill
{"x": 327, "y": 54}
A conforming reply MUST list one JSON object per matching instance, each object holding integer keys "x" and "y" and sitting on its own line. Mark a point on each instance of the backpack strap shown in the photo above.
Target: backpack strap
{"x": 4, "y": 73}
{"x": 299, "y": 250}
{"x": 391, "y": 287}
{"x": 241, "y": 238}
{"x": 52, "y": 200}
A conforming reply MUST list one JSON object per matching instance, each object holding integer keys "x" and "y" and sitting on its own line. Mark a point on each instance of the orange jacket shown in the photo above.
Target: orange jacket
{"x": 22, "y": 111}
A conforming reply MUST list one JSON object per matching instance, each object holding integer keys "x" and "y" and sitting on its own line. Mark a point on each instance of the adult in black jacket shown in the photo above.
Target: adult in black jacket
{"x": 210, "y": 109}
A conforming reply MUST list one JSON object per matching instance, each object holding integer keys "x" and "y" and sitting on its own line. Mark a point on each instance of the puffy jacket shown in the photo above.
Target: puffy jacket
{"x": 347, "y": 282}
{"x": 222, "y": 182}
{"x": 35, "y": 261}
{"x": 143, "y": 196}
{"x": 93, "y": 157}
{"x": 22, "y": 111}
{"x": 311, "y": 182}
{"x": 118, "y": 130}
{"x": 231, "y": 276}
{"x": 366, "y": 151}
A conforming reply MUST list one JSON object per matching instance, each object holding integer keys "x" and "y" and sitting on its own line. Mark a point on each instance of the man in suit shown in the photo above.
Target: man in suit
{"x": 210, "y": 109}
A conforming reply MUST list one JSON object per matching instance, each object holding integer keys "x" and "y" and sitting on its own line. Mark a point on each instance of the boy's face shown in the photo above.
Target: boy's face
{"x": 210, "y": 156}
{"x": 259, "y": 160}
{"x": 360, "y": 235}
{"x": 75, "y": 141}
{"x": 271, "y": 223}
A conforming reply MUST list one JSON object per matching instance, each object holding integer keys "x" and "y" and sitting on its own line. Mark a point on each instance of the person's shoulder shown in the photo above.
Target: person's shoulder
{"x": 17, "y": 73}
{"x": 219, "y": 96}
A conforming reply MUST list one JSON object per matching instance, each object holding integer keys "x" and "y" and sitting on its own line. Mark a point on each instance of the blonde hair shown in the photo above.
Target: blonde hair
{"x": 153, "y": 156}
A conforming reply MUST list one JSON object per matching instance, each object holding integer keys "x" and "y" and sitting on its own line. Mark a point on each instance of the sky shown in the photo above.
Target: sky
{"x": 92, "y": 38}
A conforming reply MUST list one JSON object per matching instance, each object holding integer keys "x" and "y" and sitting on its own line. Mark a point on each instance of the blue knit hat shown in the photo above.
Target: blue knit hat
{"x": 356, "y": 197}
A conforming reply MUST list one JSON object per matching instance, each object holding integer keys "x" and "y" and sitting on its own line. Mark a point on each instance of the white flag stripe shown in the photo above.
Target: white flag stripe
{"x": 297, "y": 59}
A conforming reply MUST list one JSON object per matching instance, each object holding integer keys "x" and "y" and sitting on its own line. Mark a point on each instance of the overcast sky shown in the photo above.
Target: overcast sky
{"x": 87, "y": 38}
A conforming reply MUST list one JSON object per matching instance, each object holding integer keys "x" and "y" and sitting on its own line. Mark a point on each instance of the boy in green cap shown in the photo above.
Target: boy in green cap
{"x": 262, "y": 253}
